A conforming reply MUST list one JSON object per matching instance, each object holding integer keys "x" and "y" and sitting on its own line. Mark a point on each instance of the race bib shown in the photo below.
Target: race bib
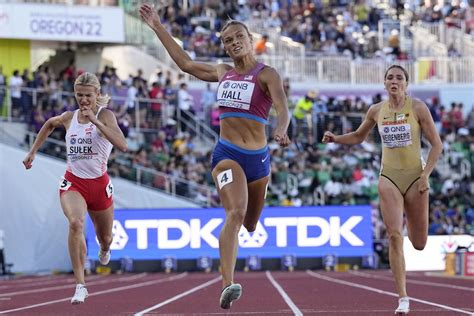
{"x": 396, "y": 135}
{"x": 109, "y": 189}
{"x": 64, "y": 185}
{"x": 224, "y": 178}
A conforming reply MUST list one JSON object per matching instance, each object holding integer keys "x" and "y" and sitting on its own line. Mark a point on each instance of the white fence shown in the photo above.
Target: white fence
{"x": 343, "y": 70}
{"x": 451, "y": 36}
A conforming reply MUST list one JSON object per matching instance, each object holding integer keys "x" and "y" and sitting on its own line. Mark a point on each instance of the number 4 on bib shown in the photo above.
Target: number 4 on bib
{"x": 225, "y": 177}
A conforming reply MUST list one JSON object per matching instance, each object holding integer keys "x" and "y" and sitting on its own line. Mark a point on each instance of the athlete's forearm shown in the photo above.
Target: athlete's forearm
{"x": 433, "y": 156}
{"x": 43, "y": 134}
{"x": 348, "y": 139}
{"x": 179, "y": 56}
{"x": 283, "y": 120}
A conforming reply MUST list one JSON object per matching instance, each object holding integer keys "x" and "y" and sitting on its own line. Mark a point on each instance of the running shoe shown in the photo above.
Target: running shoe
{"x": 230, "y": 293}
{"x": 104, "y": 257}
{"x": 403, "y": 306}
{"x": 80, "y": 294}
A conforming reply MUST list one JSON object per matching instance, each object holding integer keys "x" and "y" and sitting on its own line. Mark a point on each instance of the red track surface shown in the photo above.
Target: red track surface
{"x": 264, "y": 293}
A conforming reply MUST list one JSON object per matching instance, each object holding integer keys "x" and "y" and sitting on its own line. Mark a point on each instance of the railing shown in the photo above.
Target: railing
{"x": 139, "y": 114}
{"x": 68, "y": 2}
{"x": 427, "y": 44}
{"x": 344, "y": 70}
{"x": 169, "y": 184}
{"x": 453, "y": 37}
{"x": 289, "y": 58}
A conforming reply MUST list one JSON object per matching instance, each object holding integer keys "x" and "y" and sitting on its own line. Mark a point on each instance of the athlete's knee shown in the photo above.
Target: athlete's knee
{"x": 236, "y": 216}
{"x": 395, "y": 237}
{"x": 76, "y": 225}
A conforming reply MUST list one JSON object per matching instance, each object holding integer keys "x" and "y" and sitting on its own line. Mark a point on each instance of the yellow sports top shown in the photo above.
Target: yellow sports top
{"x": 400, "y": 134}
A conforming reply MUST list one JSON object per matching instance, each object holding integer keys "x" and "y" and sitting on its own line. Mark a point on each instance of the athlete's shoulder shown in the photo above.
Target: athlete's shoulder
{"x": 106, "y": 114}
{"x": 66, "y": 116}
{"x": 376, "y": 106}
{"x": 374, "y": 110}
{"x": 418, "y": 103}
{"x": 268, "y": 73}
{"x": 222, "y": 69}
{"x": 420, "y": 109}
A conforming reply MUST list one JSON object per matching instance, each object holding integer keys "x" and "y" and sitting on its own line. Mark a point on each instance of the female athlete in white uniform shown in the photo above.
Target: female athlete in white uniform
{"x": 92, "y": 131}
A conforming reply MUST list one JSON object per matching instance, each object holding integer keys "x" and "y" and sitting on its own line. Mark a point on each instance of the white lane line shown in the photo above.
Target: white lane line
{"x": 68, "y": 286}
{"x": 50, "y": 281}
{"x": 372, "y": 289}
{"x": 283, "y": 294}
{"x": 177, "y": 297}
{"x": 117, "y": 289}
{"x": 379, "y": 277}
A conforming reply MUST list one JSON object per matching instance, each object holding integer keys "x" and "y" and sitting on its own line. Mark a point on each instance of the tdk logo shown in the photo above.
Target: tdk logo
{"x": 310, "y": 232}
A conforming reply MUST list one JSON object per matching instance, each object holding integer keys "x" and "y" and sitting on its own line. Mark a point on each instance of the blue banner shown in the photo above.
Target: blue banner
{"x": 191, "y": 233}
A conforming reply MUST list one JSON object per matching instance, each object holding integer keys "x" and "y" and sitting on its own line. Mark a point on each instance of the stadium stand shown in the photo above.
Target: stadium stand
{"x": 338, "y": 42}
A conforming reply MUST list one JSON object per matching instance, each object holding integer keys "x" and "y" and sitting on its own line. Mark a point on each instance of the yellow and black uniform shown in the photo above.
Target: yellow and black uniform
{"x": 402, "y": 162}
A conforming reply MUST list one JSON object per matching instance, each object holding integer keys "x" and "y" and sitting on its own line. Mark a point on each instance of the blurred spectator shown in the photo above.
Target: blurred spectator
{"x": 157, "y": 96}
{"x": 261, "y": 45}
{"x": 16, "y": 83}
{"x": 434, "y": 107}
{"x": 208, "y": 99}
{"x": 215, "y": 125}
{"x": 302, "y": 113}
{"x": 3, "y": 92}
{"x": 185, "y": 105}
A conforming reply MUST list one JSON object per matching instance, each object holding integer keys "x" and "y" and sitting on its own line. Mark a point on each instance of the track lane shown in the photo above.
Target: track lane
{"x": 258, "y": 297}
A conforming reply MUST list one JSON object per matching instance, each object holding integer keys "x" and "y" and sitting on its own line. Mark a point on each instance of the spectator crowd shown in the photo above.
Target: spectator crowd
{"x": 306, "y": 173}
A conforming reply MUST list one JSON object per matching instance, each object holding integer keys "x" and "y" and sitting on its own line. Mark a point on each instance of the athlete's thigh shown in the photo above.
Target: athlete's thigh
{"x": 231, "y": 184}
{"x": 73, "y": 204}
{"x": 103, "y": 220}
{"x": 257, "y": 191}
{"x": 416, "y": 209}
{"x": 391, "y": 205}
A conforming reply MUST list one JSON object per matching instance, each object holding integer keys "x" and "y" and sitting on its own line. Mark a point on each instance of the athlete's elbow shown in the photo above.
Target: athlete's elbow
{"x": 357, "y": 138}
{"x": 123, "y": 147}
{"x": 185, "y": 66}
{"x": 437, "y": 148}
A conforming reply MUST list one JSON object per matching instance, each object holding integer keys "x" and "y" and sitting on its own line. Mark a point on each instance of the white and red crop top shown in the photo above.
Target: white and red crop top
{"x": 87, "y": 151}
{"x": 240, "y": 95}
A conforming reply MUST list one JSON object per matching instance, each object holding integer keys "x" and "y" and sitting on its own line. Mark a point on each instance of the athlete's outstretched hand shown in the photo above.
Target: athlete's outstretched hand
{"x": 329, "y": 137}
{"x": 149, "y": 15}
{"x": 28, "y": 161}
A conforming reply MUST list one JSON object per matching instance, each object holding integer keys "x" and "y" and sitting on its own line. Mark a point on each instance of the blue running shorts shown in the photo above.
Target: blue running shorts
{"x": 255, "y": 163}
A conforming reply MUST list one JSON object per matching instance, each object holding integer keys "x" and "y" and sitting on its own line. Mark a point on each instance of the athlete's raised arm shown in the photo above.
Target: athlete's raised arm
{"x": 202, "y": 71}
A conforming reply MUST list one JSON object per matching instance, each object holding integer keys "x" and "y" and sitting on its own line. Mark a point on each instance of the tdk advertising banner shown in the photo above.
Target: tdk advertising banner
{"x": 190, "y": 233}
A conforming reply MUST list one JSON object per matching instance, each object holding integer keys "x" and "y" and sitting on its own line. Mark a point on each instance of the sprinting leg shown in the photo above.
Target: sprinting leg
{"x": 257, "y": 190}
{"x": 232, "y": 187}
{"x": 103, "y": 223}
{"x": 74, "y": 207}
{"x": 391, "y": 205}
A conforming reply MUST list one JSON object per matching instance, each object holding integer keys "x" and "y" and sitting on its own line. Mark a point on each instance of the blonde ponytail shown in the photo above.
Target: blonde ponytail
{"x": 103, "y": 100}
